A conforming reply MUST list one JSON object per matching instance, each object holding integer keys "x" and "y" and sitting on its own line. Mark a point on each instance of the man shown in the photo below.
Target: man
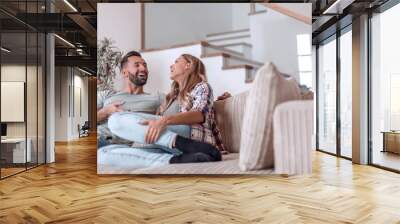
{"x": 130, "y": 98}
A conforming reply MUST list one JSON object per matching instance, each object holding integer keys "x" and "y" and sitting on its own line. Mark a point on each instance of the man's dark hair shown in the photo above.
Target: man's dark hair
{"x": 128, "y": 55}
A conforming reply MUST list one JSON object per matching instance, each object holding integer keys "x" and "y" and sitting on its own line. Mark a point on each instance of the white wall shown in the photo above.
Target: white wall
{"x": 260, "y": 7}
{"x": 67, "y": 114}
{"x": 240, "y": 16}
{"x": 120, "y": 22}
{"x": 61, "y": 103}
{"x": 169, "y": 24}
{"x": 220, "y": 80}
{"x": 166, "y": 23}
{"x": 300, "y": 8}
{"x": 159, "y": 63}
{"x": 273, "y": 36}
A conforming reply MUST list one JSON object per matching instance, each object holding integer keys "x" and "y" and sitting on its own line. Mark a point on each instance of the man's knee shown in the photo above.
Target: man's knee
{"x": 118, "y": 119}
{"x": 114, "y": 121}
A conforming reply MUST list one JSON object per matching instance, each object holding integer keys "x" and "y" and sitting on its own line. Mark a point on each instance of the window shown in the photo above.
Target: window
{"x": 346, "y": 94}
{"x": 22, "y": 65}
{"x": 385, "y": 89}
{"x": 394, "y": 102}
{"x": 304, "y": 59}
{"x": 327, "y": 96}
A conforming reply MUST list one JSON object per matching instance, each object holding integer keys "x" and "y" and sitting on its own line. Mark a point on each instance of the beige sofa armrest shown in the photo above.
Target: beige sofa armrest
{"x": 293, "y": 131}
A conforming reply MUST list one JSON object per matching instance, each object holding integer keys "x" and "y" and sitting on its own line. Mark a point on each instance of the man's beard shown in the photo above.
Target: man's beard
{"x": 138, "y": 80}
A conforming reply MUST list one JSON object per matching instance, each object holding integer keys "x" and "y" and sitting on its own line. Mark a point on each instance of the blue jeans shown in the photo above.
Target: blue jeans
{"x": 126, "y": 125}
{"x": 101, "y": 141}
{"x": 125, "y": 157}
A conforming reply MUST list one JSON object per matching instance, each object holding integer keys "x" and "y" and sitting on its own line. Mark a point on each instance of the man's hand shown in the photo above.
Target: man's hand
{"x": 114, "y": 107}
{"x": 105, "y": 112}
{"x": 156, "y": 127}
{"x": 224, "y": 96}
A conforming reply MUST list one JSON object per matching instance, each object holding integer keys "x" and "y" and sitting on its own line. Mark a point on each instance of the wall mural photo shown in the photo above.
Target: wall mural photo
{"x": 186, "y": 94}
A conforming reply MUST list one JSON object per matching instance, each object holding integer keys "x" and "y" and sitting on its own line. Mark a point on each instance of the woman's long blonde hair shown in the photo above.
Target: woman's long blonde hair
{"x": 196, "y": 75}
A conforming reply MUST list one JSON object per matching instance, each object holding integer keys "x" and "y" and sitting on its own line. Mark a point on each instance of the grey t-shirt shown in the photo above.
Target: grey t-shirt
{"x": 145, "y": 103}
{"x": 172, "y": 109}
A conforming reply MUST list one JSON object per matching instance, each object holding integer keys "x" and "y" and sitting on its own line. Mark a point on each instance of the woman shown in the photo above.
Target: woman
{"x": 186, "y": 127}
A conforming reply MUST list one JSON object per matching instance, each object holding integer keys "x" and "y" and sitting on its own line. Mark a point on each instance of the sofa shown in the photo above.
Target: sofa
{"x": 288, "y": 123}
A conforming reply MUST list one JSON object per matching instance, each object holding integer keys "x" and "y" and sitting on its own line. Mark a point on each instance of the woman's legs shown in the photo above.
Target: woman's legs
{"x": 126, "y": 125}
{"x": 187, "y": 145}
{"x": 132, "y": 158}
{"x": 127, "y": 157}
{"x": 197, "y": 157}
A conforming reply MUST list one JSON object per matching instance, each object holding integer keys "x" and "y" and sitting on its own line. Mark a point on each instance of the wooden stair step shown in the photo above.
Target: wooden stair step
{"x": 230, "y": 38}
{"x": 220, "y": 48}
{"x": 227, "y": 32}
{"x": 236, "y": 44}
{"x": 245, "y": 66}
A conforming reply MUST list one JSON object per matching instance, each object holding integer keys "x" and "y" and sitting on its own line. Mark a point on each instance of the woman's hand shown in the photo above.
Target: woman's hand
{"x": 155, "y": 129}
{"x": 224, "y": 96}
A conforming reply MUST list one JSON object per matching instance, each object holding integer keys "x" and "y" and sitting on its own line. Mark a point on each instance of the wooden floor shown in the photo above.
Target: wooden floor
{"x": 386, "y": 159}
{"x": 10, "y": 171}
{"x": 70, "y": 191}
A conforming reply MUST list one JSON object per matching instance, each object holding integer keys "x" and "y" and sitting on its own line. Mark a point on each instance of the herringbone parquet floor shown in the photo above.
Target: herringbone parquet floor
{"x": 70, "y": 191}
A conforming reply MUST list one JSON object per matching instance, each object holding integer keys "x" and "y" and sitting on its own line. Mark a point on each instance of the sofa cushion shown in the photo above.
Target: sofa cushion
{"x": 229, "y": 165}
{"x": 229, "y": 115}
{"x": 269, "y": 89}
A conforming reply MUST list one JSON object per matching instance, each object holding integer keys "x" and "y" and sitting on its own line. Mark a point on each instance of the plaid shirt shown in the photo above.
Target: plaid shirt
{"x": 201, "y": 99}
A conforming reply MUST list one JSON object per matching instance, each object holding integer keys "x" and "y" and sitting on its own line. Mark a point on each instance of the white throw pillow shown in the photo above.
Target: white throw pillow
{"x": 269, "y": 89}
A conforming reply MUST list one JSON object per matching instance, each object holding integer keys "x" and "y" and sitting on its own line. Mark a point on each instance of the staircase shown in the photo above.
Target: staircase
{"x": 237, "y": 41}
{"x": 227, "y": 58}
